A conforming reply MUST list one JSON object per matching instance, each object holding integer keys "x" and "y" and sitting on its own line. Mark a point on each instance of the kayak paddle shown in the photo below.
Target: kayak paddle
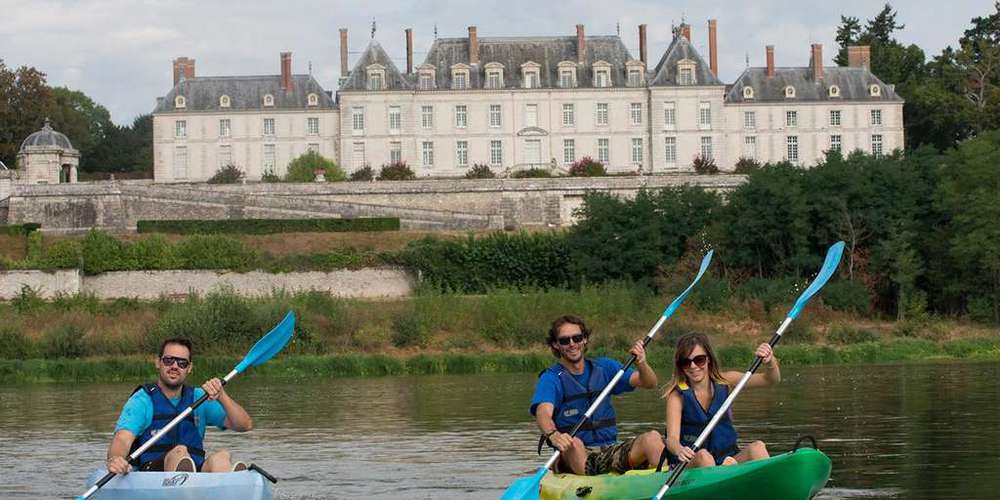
{"x": 263, "y": 350}
{"x": 527, "y": 488}
{"x": 829, "y": 266}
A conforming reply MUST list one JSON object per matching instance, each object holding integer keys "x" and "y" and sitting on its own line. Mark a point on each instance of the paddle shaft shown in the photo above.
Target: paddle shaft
{"x": 722, "y": 409}
{"x": 134, "y": 456}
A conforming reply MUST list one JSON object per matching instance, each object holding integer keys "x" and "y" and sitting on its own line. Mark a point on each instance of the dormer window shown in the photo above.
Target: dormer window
{"x": 602, "y": 74}
{"x": 224, "y": 101}
{"x": 425, "y": 77}
{"x": 530, "y": 75}
{"x": 875, "y": 90}
{"x": 635, "y": 71}
{"x": 834, "y": 91}
{"x": 268, "y": 100}
{"x": 376, "y": 76}
{"x": 460, "y": 76}
{"x": 748, "y": 92}
{"x": 685, "y": 72}
{"x": 180, "y": 102}
{"x": 312, "y": 100}
{"x": 494, "y": 75}
{"x": 789, "y": 92}
{"x": 567, "y": 75}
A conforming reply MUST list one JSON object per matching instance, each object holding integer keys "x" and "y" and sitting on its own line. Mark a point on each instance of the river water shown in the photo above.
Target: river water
{"x": 925, "y": 431}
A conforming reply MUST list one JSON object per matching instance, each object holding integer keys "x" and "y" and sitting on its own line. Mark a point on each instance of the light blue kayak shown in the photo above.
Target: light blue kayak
{"x": 243, "y": 485}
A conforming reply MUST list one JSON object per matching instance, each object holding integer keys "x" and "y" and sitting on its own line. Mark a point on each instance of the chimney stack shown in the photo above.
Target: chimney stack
{"x": 581, "y": 45}
{"x": 642, "y": 43}
{"x": 817, "y": 61}
{"x": 286, "y": 71}
{"x": 713, "y": 52}
{"x": 343, "y": 54}
{"x": 473, "y": 46}
{"x": 183, "y": 69}
{"x": 409, "y": 51}
{"x": 859, "y": 56}
{"x": 770, "y": 61}
{"x": 685, "y": 30}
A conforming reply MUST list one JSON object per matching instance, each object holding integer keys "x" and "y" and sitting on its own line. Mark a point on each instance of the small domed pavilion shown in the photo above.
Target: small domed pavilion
{"x": 47, "y": 157}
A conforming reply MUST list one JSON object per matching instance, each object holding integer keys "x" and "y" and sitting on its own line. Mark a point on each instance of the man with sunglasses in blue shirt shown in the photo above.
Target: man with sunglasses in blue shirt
{"x": 566, "y": 390}
{"x": 152, "y": 406}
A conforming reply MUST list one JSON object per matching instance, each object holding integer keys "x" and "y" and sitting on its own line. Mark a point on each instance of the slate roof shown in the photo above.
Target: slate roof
{"x": 665, "y": 72}
{"x": 246, "y": 93}
{"x": 853, "y": 82}
{"x": 47, "y": 137}
{"x": 375, "y": 54}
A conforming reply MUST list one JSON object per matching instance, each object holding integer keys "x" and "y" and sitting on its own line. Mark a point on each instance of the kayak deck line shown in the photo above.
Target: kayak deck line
{"x": 242, "y": 485}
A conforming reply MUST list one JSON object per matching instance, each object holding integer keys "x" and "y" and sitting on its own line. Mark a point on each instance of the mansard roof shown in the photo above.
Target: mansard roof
{"x": 854, "y": 85}
{"x": 374, "y": 54}
{"x": 512, "y": 52}
{"x": 246, "y": 93}
{"x": 666, "y": 73}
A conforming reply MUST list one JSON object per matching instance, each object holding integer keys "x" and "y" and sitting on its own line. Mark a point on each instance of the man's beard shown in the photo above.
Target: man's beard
{"x": 166, "y": 383}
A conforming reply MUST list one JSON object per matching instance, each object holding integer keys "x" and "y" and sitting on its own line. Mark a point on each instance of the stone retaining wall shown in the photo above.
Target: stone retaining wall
{"x": 47, "y": 285}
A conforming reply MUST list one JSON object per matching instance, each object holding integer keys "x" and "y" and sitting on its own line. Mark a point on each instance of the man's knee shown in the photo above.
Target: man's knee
{"x": 178, "y": 451}
{"x": 651, "y": 438}
{"x": 757, "y": 448}
{"x": 704, "y": 458}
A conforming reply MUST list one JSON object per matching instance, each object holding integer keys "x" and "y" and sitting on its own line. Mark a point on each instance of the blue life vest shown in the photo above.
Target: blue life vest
{"x": 600, "y": 430}
{"x": 184, "y": 433}
{"x": 722, "y": 441}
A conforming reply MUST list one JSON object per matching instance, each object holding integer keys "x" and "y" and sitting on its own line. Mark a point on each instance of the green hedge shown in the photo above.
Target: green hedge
{"x": 269, "y": 226}
{"x": 19, "y": 229}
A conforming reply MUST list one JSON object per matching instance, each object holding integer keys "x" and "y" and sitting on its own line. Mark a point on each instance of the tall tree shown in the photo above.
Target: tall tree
{"x": 847, "y": 34}
{"x": 83, "y": 121}
{"x": 25, "y": 102}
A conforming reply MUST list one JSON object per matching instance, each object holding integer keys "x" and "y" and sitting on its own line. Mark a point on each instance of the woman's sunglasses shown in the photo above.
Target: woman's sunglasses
{"x": 699, "y": 360}
{"x": 170, "y": 360}
{"x": 576, "y": 339}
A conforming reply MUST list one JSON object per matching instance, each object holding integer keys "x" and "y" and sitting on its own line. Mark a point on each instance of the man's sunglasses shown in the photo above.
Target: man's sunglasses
{"x": 699, "y": 360}
{"x": 576, "y": 339}
{"x": 170, "y": 360}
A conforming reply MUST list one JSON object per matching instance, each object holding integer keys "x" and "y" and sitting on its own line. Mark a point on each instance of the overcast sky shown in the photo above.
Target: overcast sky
{"x": 119, "y": 52}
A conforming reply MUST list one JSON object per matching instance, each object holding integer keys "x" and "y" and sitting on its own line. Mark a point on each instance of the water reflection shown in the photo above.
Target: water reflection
{"x": 921, "y": 432}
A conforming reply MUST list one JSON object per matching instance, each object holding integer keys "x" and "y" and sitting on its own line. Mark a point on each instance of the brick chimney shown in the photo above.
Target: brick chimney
{"x": 642, "y": 43}
{"x": 685, "y": 30}
{"x": 770, "y": 61}
{"x": 859, "y": 56}
{"x": 183, "y": 69}
{"x": 473, "y": 46}
{"x": 286, "y": 71}
{"x": 343, "y": 54}
{"x": 409, "y": 51}
{"x": 713, "y": 52}
{"x": 816, "y": 62}
{"x": 581, "y": 45}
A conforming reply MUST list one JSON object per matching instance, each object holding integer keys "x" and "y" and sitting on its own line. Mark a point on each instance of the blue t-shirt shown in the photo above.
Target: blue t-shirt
{"x": 137, "y": 414}
{"x": 550, "y": 390}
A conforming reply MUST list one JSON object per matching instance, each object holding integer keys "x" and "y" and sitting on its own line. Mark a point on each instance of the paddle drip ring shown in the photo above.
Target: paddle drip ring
{"x": 803, "y": 438}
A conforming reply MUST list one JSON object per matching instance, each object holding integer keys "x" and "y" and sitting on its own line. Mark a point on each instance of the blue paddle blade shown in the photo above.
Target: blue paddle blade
{"x": 271, "y": 344}
{"x": 525, "y": 488}
{"x": 705, "y": 261}
{"x": 829, "y": 266}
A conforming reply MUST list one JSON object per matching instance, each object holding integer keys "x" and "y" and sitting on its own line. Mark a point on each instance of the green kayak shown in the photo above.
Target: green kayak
{"x": 795, "y": 475}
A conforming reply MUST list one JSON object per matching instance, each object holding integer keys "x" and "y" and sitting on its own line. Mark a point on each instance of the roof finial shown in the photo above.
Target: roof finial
{"x": 618, "y": 26}
{"x": 435, "y": 31}
{"x": 373, "y": 27}
{"x": 748, "y": 59}
{"x": 310, "y": 68}
{"x": 47, "y": 123}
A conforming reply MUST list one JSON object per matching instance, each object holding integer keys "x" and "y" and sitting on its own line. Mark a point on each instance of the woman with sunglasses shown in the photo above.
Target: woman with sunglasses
{"x": 694, "y": 396}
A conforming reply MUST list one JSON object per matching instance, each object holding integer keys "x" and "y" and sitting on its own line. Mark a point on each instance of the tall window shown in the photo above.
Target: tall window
{"x": 568, "y": 115}
{"x": 569, "y": 151}
{"x": 792, "y": 148}
{"x": 531, "y": 80}
{"x": 533, "y": 151}
{"x": 496, "y": 118}
{"x": 427, "y": 153}
{"x": 669, "y": 115}
{"x": 602, "y": 113}
{"x": 686, "y": 77}
{"x": 670, "y": 149}
{"x": 706, "y": 148}
{"x": 636, "y": 113}
{"x": 225, "y": 128}
{"x": 180, "y": 129}
{"x": 426, "y": 81}
{"x": 358, "y": 118}
{"x": 358, "y": 155}
{"x": 493, "y": 80}
{"x": 269, "y": 158}
{"x": 705, "y": 114}
{"x": 876, "y": 117}
{"x": 877, "y": 145}
{"x": 750, "y": 120}
{"x": 460, "y": 82}
{"x": 601, "y": 78}
{"x": 312, "y": 126}
{"x": 461, "y": 116}
{"x": 836, "y": 143}
{"x": 225, "y": 155}
{"x": 375, "y": 81}
{"x": 637, "y": 154}
{"x": 791, "y": 119}
{"x": 427, "y": 116}
{"x": 750, "y": 147}
{"x": 496, "y": 153}
{"x": 462, "y": 153}
{"x": 395, "y": 118}
{"x": 395, "y": 152}
{"x": 180, "y": 162}
{"x": 531, "y": 115}
{"x": 634, "y": 78}
{"x": 567, "y": 79}
{"x": 603, "y": 151}
{"x": 834, "y": 117}
{"x": 268, "y": 126}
